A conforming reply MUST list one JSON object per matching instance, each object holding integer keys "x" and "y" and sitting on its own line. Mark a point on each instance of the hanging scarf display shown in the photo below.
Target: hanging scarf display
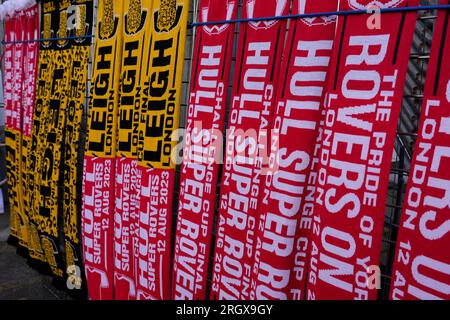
{"x": 422, "y": 261}
{"x": 256, "y": 76}
{"x": 365, "y": 91}
{"x": 136, "y": 40}
{"x": 99, "y": 160}
{"x": 202, "y": 149}
{"x": 283, "y": 233}
{"x": 159, "y": 120}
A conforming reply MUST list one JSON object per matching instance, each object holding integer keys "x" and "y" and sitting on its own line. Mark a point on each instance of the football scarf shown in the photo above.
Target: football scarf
{"x": 202, "y": 149}
{"x": 28, "y": 98}
{"x": 136, "y": 39}
{"x": 12, "y": 130}
{"x": 159, "y": 120}
{"x": 48, "y": 193}
{"x": 257, "y": 70}
{"x": 99, "y": 160}
{"x": 422, "y": 263}
{"x": 283, "y": 234}
{"x": 49, "y": 25}
{"x": 18, "y": 106}
{"x": 76, "y": 94}
{"x": 365, "y": 93}
{"x": 14, "y": 72}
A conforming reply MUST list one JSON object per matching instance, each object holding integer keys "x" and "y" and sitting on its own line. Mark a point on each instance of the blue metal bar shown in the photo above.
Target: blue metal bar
{"x": 49, "y": 39}
{"x": 286, "y": 17}
{"x": 322, "y": 14}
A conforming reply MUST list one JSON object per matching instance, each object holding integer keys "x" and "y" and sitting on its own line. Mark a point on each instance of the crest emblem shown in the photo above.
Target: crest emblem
{"x": 217, "y": 29}
{"x": 323, "y": 20}
{"x": 281, "y": 4}
{"x": 167, "y": 16}
{"x": 365, "y": 4}
{"x": 108, "y": 25}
